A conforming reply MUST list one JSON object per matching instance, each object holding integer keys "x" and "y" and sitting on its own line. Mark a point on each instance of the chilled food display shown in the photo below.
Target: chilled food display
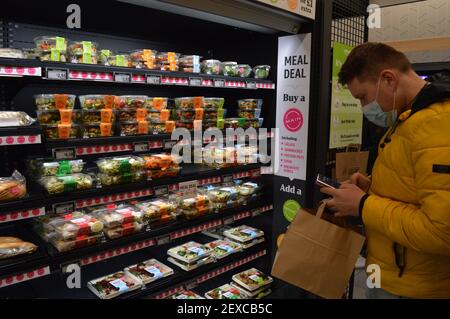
{"x": 223, "y": 248}
{"x": 131, "y": 128}
{"x": 244, "y": 70}
{"x": 45, "y": 102}
{"x": 51, "y": 48}
{"x": 113, "y": 285}
{"x": 11, "y": 53}
{"x": 225, "y": 292}
{"x": 190, "y": 102}
{"x": 60, "y": 131}
{"x": 97, "y": 130}
{"x": 144, "y": 58}
{"x": 68, "y": 183}
{"x": 261, "y": 71}
{"x": 12, "y": 247}
{"x": 148, "y": 271}
{"x": 98, "y": 101}
{"x": 13, "y": 187}
{"x": 121, "y": 178}
{"x": 230, "y": 69}
{"x": 250, "y": 104}
{"x": 190, "y": 63}
{"x": 185, "y": 295}
{"x": 63, "y": 116}
{"x": 156, "y": 103}
{"x": 158, "y": 210}
{"x": 189, "y": 252}
{"x": 211, "y": 67}
{"x": 83, "y": 52}
{"x": 108, "y": 58}
{"x": 249, "y": 113}
{"x": 243, "y": 234}
{"x": 167, "y": 61}
{"x": 13, "y": 118}
{"x": 213, "y": 102}
{"x": 122, "y": 164}
{"x": 98, "y": 116}
{"x": 252, "y": 279}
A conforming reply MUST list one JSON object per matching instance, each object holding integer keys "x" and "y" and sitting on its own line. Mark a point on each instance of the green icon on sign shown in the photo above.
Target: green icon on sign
{"x": 290, "y": 209}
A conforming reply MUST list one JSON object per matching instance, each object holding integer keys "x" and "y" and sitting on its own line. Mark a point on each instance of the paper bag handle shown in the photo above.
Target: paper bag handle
{"x": 321, "y": 209}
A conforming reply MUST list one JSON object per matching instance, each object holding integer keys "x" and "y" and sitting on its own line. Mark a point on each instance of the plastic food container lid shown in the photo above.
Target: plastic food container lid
{"x": 211, "y": 61}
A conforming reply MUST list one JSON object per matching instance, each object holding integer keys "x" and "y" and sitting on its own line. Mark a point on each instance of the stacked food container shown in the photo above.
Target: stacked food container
{"x": 158, "y": 211}
{"x": 159, "y": 115}
{"x": 120, "y": 220}
{"x": 83, "y": 52}
{"x": 132, "y": 115}
{"x": 253, "y": 283}
{"x": 189, "y": 112}
{"x": 120, "y": 170}
{"x": 190, "y": 256}
{"x": 98, "y": 114}
{"x": 245, "y": 235}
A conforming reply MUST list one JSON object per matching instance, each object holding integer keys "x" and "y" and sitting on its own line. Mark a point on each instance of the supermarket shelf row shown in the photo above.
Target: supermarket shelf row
{"x": 98, "y": 73}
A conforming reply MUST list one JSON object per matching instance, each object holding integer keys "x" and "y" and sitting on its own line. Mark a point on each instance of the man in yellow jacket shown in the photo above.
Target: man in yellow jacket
{"x": 405, "y": 205}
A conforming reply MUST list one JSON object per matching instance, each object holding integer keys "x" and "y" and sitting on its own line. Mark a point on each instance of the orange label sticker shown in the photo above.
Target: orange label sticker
{"x": 201, "y": 210}
{"x": 61, "y": 101}
{"x": 164, "y": 115}
{"x": 142, "y": 127}
{"x": 200, "y": 201}
{"x": 158, "y": 103}
{"x": 171, "y": 57}
{"x": 109, "y": 101}
{"x": 198, "y": 102}
{"x": 66, "y": 116}
{"x": 170, "y": 126}
{"x": 105, "y": 129}
{"x": 64, "y": 130}
{"x": 173, "y": 66}
{"x": 147, "y": 55}
{"x": 141, "y": 114}
{"x": 106, "y": 115}
{"x": 199, "y": 114}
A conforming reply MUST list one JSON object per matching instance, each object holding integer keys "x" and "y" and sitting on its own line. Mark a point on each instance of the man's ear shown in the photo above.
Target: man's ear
{"x": 390, "y": 77}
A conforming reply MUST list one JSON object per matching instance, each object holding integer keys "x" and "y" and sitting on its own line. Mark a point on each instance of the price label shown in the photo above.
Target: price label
{"x": 256, "y": 212}
{"x": 122, "y": 77}
{"x": 64, "y": 153}
{"x": 169, "y": 144}
{"x": 161, "y": 190}
{"x": 187, "y": 189}
{"x": 153, "y": 79}
{"x": 219, "y": 83}
{"x": 191, "y": 285}
{"x": 228, "y": 220}
{"x": 141, "y": 147}
{"x": 195, "y": 81}
{"x": 57, "y": 74}
{"x": 227, "y": 178}
{"x": 64, "y": 208}
{"x": 255, "y": 173}
{"x": 163, "y": 240}
{"x": 251, "y": 85}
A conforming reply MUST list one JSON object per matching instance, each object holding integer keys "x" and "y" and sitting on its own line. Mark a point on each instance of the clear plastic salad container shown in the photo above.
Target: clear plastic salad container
{"x": 157, "y": 127}
{"x": 225, "y": 292}
{"x": 98, "y": 116}
{"x": 132, "y": 101}
{"x": 113, "y": 285}
{"x": 98, "y": 101}
{"x": 190, "y": 63}
{"x": 156, "y": 103}
{"x": 122, "y": 164}
{"x": 51, "y": 48}
{"x": 244, "y": 70}
{"x": 45, "y": 168}
{"x": 255, "y": 123}
{"x": 108, "y": 58}
{"x": 214, "y": 102}
{"x": 158, "y": 210}
{"x": 243, "y": 233}
{"x": 71, "y": 226}
{"x": 185, "y": 114}
{"x": 211, "y": 67}
{"x": 127, "y": 114}
{"x": 60, "y": 131}
{"x": 148, "y": 271}
{"x": 250, "y": 104}
{"x": 249, "y": 113}
{"x": 98, "y": 130}
{"x": 252, "y": 279}
{"x": 190, "y": 102}
{"x": 121, "y": 215}
{"x": 121, "y": 178}
{"x": 134, "y": 128}
{"x": 167, "y": 57}
{"x": 223, "y": 248}
{"x": 46, "y": 102}
{"x": 214, "y": 114}
{"x": 83, "y": 52}
{"x": 11, "y": 53}
{"x": 230, "y": 69}
{"x": 159, "y": 161}
{"x": 79, "y": 242}
{"x": 189, "y": 252}
{"x": 143, "y": 55}
{"x": 249, "y": 189}
{"x": 235, "y": 122}
{"x": 123, "y": 230}
{"x": 159, "y": 173}
{"x": 58, "y": 116}
{"x": 261, "y": 71}
{"x": 68, "y": 183}
{"x": 15, "y": 118}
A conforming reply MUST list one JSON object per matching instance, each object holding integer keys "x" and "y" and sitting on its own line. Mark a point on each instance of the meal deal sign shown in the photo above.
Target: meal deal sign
{"x": 306, "y": 8}
{"x": 293, "y": 85}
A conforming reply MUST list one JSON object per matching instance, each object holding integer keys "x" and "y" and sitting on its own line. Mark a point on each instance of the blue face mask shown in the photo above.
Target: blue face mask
{"x": 375, "y": 114}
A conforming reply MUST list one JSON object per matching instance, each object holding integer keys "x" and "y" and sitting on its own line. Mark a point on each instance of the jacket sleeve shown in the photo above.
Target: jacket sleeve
{"x": 424, "y": 228}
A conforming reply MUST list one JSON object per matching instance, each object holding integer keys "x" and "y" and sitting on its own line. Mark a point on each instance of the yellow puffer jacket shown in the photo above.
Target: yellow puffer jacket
{"x": 407, "y": 214}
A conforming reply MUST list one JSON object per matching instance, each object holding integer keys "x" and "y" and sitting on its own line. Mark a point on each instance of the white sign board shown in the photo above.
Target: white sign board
{"x": 305, "y": 8}
{"x": 293, "y": 84}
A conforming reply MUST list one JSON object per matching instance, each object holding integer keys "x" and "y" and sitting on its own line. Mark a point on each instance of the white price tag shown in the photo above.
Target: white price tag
{"x": 153, "y": 79}
{"x": 161, "y": 190}
{"x": 64, "y": 208}
{"x": 141, "y": 147}
{"x": 227, "y": 178}
{"x": 251, "y": 85}
{"x": 122, "y": 77}
{"x": 228, "y": 221}
{"x": 163, "y": 240}
{"x": 187, "y": 189}
{"x": 219, "y": 83}
{"x": 195, "y": 81}
{"x": 64, "y": 153}
{"x": 57, "y": 74}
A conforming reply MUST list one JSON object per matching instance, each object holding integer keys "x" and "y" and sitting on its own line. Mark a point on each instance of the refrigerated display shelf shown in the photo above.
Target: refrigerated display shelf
{"x": 86, "y": 72}
{"x": 22, "y": 135}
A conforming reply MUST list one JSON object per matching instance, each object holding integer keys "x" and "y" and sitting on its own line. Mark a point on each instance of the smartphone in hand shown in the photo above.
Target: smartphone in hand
{"x": 324, "y": 181}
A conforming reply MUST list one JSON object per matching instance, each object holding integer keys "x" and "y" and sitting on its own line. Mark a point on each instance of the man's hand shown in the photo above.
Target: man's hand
{"x": 345, "y": 201}
{"x": 360, "y": 180}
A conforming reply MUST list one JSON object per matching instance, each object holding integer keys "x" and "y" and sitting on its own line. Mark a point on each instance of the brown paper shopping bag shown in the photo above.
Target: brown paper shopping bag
{"x": 350, "y": 162}
{"x": 317, "y": 255}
